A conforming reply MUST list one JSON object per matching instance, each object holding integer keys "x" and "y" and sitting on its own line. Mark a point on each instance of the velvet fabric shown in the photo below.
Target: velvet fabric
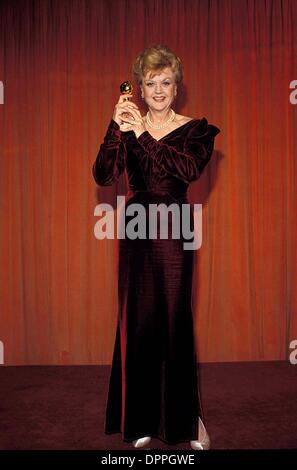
{"x": 153, "y": 387}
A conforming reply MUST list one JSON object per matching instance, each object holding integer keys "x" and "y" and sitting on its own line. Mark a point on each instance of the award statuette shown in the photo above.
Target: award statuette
{"x": 126, "y": 88}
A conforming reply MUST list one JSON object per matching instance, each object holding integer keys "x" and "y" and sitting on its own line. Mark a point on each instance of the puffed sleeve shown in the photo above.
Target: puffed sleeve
{"x": 110, "y": 160}
{"x": 187, "y": 165}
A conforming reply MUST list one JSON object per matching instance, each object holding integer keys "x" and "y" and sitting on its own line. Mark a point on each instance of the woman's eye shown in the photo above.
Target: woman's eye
{"x": 165, "y": 83}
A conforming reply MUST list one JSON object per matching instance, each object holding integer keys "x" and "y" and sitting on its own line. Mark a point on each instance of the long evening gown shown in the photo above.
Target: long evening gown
{"x": 153, "y": 386}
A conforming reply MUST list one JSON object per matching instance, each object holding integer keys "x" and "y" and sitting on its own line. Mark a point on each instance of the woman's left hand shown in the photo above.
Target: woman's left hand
{"x": 136, "y": 124}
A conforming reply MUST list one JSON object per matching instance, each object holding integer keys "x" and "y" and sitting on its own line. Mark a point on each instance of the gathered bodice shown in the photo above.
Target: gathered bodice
{"x": 166, "y": 165}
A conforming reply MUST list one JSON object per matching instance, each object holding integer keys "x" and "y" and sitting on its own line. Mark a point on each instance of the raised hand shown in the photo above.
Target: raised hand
{"x": 128, "y": 116}
{"x": 136, "y": 121}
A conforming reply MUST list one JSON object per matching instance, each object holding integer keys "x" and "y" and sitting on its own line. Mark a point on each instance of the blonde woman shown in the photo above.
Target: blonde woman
{"x": 153, "y": 388}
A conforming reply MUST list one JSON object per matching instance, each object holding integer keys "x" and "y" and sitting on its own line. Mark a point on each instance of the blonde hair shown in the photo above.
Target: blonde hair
{"x": 154, "y": 59}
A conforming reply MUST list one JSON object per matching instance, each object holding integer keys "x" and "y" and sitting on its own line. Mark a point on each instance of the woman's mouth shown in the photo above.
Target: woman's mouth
{"x": 159, "y": 98}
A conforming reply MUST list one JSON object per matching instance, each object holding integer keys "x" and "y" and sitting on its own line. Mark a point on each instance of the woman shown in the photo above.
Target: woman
{"x": 153, "y": 389}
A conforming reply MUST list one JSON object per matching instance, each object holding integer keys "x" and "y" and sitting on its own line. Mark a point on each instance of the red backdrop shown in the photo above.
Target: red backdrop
{"x": 61, "y": 64}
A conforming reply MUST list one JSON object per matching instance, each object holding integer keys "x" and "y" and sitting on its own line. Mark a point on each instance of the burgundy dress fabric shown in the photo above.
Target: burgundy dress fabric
{"x": 153, "y": 386}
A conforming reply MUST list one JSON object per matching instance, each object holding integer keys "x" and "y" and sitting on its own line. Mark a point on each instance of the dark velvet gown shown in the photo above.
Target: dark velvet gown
{"x": 153, "y": 386}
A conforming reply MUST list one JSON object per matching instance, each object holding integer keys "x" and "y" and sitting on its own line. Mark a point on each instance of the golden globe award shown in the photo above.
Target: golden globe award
{"x": 126, "y": 88}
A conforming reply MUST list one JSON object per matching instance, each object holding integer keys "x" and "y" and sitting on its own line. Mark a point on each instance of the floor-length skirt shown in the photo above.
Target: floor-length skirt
{"x": 153, "y": 386}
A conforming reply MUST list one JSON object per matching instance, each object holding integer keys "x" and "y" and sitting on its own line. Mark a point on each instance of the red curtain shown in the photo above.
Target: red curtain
{"x": 61, "y": 64}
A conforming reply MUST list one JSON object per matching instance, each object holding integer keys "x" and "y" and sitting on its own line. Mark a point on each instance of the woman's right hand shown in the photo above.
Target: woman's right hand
{"x": 121, "y": 107}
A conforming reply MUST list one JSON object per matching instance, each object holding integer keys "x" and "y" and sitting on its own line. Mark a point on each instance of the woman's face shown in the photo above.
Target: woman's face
{"x": 159, "y": 91}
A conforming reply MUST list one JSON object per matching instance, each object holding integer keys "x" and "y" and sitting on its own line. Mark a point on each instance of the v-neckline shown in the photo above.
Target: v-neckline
{"x": 171, "y": 132}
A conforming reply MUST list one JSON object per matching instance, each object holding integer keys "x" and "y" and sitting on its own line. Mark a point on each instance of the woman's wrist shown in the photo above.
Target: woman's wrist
{"x": 139, "y": 133}
{"x": 115, "y": 123}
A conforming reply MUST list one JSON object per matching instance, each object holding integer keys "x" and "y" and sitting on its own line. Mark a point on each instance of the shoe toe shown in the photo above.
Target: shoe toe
{"x": 142, "y": 441}
{"x": 196, "y": 445}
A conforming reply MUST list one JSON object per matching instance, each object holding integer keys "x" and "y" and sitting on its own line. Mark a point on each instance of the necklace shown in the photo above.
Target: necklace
{"x": 164, "y": 124}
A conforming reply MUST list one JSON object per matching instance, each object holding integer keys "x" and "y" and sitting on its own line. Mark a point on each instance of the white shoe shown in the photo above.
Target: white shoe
{"x": 142, "y": 441}
{"x": 204, "y": 443}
